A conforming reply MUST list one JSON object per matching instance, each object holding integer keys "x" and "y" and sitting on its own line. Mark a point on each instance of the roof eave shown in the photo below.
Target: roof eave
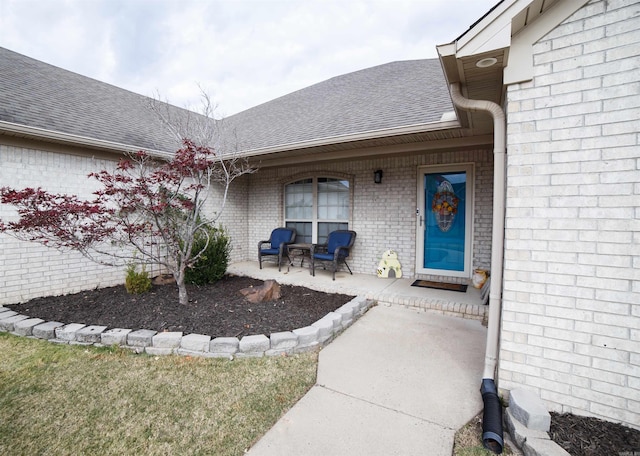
{"x": 510, "y": 28}
{"x": 490, "y": 33}
{"x": 25, "y": 131}
{"x": 445, "y": 124}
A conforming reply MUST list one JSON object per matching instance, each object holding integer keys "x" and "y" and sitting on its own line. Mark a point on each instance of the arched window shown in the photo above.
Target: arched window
{"x": 316, "y": 206}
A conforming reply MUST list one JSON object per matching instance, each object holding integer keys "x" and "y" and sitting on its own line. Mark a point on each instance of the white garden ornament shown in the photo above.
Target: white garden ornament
{"x": 389, "y": 266}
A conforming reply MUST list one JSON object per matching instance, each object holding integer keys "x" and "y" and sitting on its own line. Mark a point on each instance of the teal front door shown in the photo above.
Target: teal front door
{"x": 444, "y": 230}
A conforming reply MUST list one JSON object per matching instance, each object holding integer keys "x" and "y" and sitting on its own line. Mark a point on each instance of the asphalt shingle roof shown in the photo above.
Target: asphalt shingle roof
{"x": 37, "y": 94}
{"x": 393, "y": 95}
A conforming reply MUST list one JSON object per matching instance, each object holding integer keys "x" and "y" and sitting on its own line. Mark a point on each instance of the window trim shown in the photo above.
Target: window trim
{"x": 314, "y": 178}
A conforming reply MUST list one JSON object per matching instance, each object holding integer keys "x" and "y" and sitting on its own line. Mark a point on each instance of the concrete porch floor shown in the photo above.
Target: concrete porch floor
{"x": 393, "y": 291}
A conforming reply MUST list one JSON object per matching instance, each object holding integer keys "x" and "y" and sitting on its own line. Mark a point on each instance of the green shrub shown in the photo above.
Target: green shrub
{"x": 212, "y": 265}
{"x": 137, "y": 282}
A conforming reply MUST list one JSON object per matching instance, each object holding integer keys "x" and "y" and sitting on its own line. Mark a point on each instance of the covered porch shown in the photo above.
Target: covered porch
{"x": 467, "y": 304}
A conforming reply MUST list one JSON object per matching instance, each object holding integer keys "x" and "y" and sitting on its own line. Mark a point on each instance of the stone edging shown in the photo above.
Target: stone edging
{"x": 527, "y": 421}
{"x": 166, "y": 343}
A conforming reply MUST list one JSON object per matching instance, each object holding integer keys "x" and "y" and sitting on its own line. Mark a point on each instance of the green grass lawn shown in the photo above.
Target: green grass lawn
{"x": 74, "y": 400}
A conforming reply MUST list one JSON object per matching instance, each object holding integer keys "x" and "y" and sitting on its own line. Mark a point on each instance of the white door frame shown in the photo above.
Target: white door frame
{"x": 421, "y": 217}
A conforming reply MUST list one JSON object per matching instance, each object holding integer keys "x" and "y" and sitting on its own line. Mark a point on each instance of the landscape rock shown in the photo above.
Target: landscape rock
{"x": 164, "y": 279}
{"x": 268, "y": 291}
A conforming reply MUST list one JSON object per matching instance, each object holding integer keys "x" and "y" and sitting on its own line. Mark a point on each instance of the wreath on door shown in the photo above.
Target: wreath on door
{"x": 444, "y": 206}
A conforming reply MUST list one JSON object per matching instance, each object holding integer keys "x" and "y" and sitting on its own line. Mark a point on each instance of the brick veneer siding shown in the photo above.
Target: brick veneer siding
{"x": 571, "y": 315}
{"x": 383, "y": 214}
{"x": 233, "y": 215}
{"x": 29, "y": 269}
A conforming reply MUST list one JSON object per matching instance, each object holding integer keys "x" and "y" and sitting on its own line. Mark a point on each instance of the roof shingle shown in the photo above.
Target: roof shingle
{"x": 393, "y": 95}
{"x": 36, "y": 94}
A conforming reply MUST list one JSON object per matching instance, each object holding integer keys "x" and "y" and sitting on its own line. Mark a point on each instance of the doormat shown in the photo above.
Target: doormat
{"x": 440, "y": 285}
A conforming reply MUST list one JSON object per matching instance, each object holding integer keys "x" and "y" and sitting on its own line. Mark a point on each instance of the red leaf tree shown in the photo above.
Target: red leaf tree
{"x": 154, "y": 206}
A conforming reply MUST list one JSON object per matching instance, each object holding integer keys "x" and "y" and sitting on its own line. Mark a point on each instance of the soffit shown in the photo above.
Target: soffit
{"x": 426, "y": 142}
{"x": 491, "y": 37}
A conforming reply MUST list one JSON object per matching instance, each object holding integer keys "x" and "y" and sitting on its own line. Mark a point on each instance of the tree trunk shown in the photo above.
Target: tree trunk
{"x": 183, "y": 297}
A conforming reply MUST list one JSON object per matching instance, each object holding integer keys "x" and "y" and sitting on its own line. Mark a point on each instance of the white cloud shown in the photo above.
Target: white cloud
{"x": 243, "y": 52}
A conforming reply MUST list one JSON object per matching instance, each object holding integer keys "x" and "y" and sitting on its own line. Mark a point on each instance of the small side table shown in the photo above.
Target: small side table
{"x": 301, "y": 251}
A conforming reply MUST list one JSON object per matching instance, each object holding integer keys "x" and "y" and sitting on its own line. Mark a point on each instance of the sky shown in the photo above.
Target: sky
{"x": 241, "y": 53}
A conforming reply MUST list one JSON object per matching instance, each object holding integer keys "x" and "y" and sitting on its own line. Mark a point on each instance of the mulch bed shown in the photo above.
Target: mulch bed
{"x": 584, "y": 436}
{"x": 216, "y": 310}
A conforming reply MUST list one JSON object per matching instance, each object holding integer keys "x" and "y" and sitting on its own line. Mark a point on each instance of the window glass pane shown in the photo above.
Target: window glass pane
{"x": 299, "y": 199}
{"x": 325, "y": 228}
{"x": 317, "y": 217}
{"x": 307, "y": 206}
{"x": 333, "y": 199}
{"x": 303, "y": 231}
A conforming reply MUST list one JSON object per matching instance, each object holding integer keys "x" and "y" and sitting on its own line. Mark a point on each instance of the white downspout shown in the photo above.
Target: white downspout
{"x": 497, "y": 235}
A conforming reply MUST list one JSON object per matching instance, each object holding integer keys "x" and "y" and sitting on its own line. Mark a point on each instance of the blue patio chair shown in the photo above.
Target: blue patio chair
{"x": 277, "y": 245}
{"x": 335, "y": 251}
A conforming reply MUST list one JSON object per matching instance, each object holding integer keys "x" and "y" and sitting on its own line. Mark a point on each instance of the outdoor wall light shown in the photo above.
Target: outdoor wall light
{"x": 377, "y": 176}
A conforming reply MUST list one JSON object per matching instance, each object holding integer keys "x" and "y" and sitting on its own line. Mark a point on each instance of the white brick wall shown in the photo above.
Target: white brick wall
{"x": 28, "y": 269}
{"x": 234, "y": 214}
{"x": 383, "y": 214}
{"x": 571, "y": 315}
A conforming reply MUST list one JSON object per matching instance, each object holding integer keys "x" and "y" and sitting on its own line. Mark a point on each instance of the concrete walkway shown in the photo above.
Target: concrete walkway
{"x": 400, "y": 381}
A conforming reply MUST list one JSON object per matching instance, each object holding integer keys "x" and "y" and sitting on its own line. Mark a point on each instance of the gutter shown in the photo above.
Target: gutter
{"x": 445, "y": 123}
{"x": 492, "y": 419}
{"x": 76, "y": 140}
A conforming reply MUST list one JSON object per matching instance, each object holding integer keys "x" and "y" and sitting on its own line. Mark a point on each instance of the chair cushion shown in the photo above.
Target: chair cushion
{"x": 323, "y": 256}
{"x": 338, "y": 240}
{"x": 269, "y": 251}
{"x": 279, "y": 236}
